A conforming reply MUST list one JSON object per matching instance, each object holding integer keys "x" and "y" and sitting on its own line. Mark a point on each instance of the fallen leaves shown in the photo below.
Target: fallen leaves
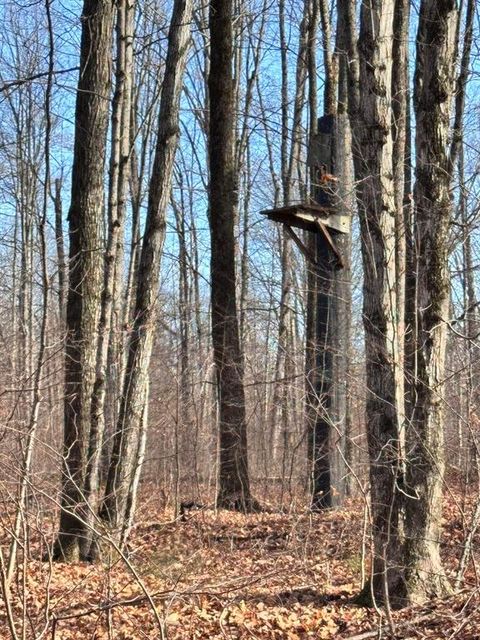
{"x": 225, "y": 576}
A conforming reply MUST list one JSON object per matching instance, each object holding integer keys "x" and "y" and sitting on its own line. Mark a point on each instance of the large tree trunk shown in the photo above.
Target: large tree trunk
{"x": 434, "y": 87}
{"x": 135, "y": 388}
{"x": 333, "y": 290}
{"x": 234, "y": 485}
{"x": 371, "y": 118}
{"x": 118, "y": 180}
{"x": 85, "y": 221}
{"x": 320, "y": 447}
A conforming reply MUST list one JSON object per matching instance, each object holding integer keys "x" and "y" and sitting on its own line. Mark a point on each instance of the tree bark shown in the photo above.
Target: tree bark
{"x": 400, "y": 131}
{"x": 320, "y": 447}
{"x": 134, "y": 397}
{"x": 433, "y": 94}
{"x": 25, "y": 482}
{"x": 370, "y": 110}
{"x": 62, "y": 267}
{"x": 85, "y": 220}
{"x": 234, "y": 484}
{"x": 342, "y": 347}
{"x": 330, "y": 329}
{"x": 311, "y": 277}
{"x": 118, "y": 181}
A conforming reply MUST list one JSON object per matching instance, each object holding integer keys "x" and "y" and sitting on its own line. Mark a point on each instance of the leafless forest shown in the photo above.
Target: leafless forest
{"x": 239, "y": 319}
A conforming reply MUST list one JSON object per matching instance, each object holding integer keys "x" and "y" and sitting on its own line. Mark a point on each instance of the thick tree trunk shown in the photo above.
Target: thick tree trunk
{"x": 234, "y": 485}
{"x": 320, "y": 447}
{"x": 333, "y": 312}
{"x": 83, "y": 304}
{"x": 371, "y": 117}
{"x": 132, "y": 407}
{"x": 119, "y": 165}
{"x": 321, "y": 434}
{"x": 434, "y": 88}
{"x": 118, "y": 181}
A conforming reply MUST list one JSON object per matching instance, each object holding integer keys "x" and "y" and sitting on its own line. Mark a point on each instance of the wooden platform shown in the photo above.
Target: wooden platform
{"x": 307, "y": 216}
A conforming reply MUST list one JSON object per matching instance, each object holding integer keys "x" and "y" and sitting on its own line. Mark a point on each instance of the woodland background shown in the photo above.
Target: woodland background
{"x": 182, "y": 127}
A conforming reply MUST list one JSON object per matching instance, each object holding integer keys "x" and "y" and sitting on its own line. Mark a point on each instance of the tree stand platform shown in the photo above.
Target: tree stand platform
{"x": 315, "y": 218}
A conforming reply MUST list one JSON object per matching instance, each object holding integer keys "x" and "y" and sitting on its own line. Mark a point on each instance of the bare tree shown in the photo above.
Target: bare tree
{"x": 33, "y": 421}
{"x": 109, "y": 334}
{"x": 234, "y": 487}
{"x": 370, "y": 109}
{"x": 433, "y": 94}
{"x": 325, "y": 301}
{"x": 343, "y": 349}
{"x": 127, "y": 440}
{"x": 401, "y": 168}
{"x": 85, "y": 265}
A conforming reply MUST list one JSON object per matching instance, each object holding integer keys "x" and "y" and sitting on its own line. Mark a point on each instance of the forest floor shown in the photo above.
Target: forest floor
{"x": 224, "y": 575}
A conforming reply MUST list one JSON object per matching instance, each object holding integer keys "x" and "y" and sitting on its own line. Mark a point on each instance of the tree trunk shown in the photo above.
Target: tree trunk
{"x": 62, "y": 267}
{"x": 25, "y": 483}
{"x": 330, "y": 329}
{"x": 234, "y": 485}
{"x": 85, "y": 221}
{"x": 342, "y": 347}
{"x": 400, "y": 130}
{"x": 434, "y": 88}
{"x": 371, "y": 119}
{"x": 119, "y": 165}
{"x": 311, "y": 277}
{"x": 320, "y": 447}
{"x": 470, "y": 456}
{"x": 185, "y": 421}
{"x": 132, "y": 407}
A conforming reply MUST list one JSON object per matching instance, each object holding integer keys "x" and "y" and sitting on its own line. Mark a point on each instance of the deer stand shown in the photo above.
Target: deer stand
{"x": 321, "y": 218}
